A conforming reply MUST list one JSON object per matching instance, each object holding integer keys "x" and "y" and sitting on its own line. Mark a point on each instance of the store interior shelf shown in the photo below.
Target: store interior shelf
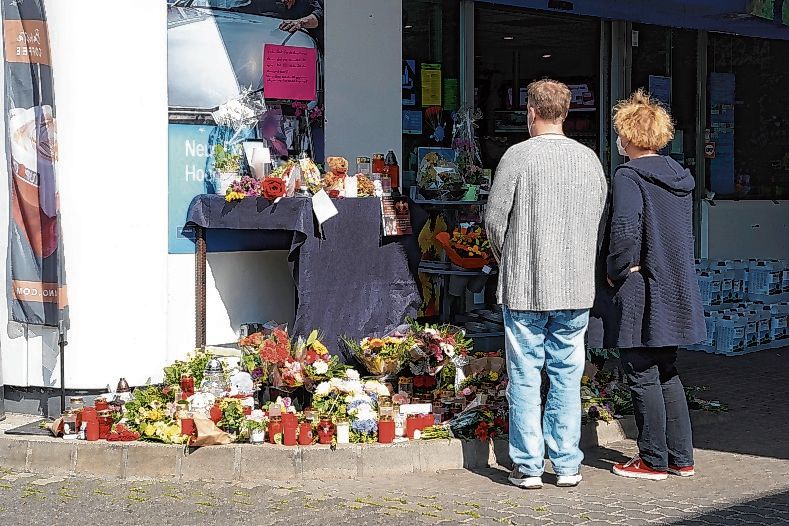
{"x": 446, "y": 269}
{"x": 485, "y": 335}
{"x": 418, "y": 199}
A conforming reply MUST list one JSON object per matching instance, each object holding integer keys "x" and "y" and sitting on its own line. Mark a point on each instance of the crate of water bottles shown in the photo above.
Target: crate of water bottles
{"x": 746, "y": 305}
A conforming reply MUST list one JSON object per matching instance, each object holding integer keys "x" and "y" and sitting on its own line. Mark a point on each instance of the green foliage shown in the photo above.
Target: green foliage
{"x": 232, "y": 415}
{"x": 225, "y": 160}
{"x": 194, "y": 366}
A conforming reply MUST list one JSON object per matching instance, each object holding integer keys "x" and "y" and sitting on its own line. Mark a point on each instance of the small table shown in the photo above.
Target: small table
{"x": 349, "y": 281}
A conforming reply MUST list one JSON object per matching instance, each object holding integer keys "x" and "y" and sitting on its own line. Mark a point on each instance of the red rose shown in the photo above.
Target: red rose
{"x": 334, "y": 194}
{"x": 272, "y": 188}
{"x": 312, "y": 357}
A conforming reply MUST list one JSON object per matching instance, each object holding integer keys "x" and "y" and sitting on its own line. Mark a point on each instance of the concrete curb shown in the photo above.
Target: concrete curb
{"x": 246, "y": 462}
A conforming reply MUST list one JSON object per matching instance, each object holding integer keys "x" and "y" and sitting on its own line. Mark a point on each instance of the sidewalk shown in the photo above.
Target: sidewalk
{"x": 742, "y": 457}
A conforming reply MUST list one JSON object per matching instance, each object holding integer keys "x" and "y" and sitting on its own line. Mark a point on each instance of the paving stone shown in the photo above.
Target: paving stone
{"x": 13, "y": 454}
{"x": 147, "y": 461}
{"x": 395, "y": 459}
{"x": 100, "y": 460}
{"x": 268, "y": 462}
{"x": 320, "y": 462}
{"x": 52, "y": 457}
{"x": 209, "y": 463}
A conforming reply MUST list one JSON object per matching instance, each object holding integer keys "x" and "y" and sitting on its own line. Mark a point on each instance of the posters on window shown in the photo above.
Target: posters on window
{"x": 216, "y": 51}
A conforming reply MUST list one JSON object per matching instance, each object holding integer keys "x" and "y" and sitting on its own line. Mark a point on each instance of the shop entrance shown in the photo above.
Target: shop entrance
{"x": 514, "y": 47}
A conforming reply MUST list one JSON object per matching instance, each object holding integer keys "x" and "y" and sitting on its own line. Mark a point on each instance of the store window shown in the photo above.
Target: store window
{"x": 431, "y": 77}
{"x": 515, "y": 47}
{"x": 747, "y": 137}
{"x": 664, "y": 64}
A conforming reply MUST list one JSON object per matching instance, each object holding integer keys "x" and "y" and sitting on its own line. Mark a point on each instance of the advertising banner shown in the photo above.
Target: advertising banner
{"x": 34, "y": 265}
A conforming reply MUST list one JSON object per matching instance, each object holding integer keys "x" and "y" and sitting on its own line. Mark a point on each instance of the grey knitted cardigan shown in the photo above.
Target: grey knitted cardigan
{"x": 542, "y": 219}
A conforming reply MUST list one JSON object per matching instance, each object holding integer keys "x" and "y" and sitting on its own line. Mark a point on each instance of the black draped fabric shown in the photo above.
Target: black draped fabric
{"x": 349, "y": 281}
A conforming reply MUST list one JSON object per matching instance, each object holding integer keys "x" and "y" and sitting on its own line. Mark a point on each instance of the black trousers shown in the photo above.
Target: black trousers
{"x": 660, "y": 405}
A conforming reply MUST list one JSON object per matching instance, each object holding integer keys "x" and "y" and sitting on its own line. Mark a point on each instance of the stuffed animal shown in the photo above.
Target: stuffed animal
{"x": 334, "y": 179}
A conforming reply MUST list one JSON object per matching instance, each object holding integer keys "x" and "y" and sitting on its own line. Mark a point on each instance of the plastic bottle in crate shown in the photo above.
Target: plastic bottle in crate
{"x": 778, "y": 332}
{"x": 726, "y": 271}
{"x": 739, "y": 285}
{"x": 709, "y": 287}
{"x": 730, "y": 334}
{"x": 764, "y": 281}
{"x": 764, "y": 316}
{"x": 785, "y": 278}
{"x": 751, "y": 330}
{"x": 710, "y": 320}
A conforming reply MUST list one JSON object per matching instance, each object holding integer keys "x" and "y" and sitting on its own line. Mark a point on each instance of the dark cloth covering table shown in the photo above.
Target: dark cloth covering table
{"x": 349, "y": 281}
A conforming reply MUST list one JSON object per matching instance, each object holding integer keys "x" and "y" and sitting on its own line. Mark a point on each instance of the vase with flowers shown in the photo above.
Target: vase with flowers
{"x": 227, "y": 165}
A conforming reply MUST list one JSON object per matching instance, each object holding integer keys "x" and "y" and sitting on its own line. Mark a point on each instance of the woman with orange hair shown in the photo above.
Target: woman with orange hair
{"x": 651, "y": 304}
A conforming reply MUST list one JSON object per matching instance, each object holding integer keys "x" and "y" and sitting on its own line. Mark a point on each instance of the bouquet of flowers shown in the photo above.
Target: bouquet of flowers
{"x": 482, "y": 422}
{"x": 464, "y": 142}
{"x": 317, "y": 363}
{"x": 150, "y": 414}
{"x": 245, "y": 187}
{"x": 385, "y": 355}
{"x": 604, "y": 397}
{"x": 352, "y": 398}
{"x": 437, "y": 345}
{"x": 437, "y": 176}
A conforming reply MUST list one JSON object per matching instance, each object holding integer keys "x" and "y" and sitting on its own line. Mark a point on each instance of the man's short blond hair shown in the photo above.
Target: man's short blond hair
{"x": 550, "y": 99}
{"x": 643, "y": 122}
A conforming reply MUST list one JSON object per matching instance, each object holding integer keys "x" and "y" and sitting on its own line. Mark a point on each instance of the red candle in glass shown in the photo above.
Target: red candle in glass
{"x": 105, "y": 423}
{"x": 188, "y": 426}
{"x": 290, "y": 418}
{"x": 275, "y": 430}
{"x": 386, "y": 431}
{"x": 91, "y": 430}
{"x": 187, "y": 386}
{"x": 305, "y": 434}
{"x": 101, "y": 404}
{"x": 215, "y": 413}
{"x": 411, "y": 425}
{"x": 325, "y": 431}
{"x": 289, "y": 428}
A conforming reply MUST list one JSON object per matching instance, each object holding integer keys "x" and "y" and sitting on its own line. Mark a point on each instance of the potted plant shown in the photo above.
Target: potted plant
{"x": 256, "y": 430}
{"x": 227, "y": 166}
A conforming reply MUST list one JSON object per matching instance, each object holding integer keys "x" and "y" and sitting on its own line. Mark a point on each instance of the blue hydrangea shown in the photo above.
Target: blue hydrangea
{"x": 365, "y": 426}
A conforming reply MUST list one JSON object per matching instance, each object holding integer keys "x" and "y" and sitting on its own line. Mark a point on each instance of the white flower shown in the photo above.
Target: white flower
{"x": 335, "y": 383}
{"x": 382, "y": 390}
{"x": 352, "y": 374}
{"x": 431, "y": 332}
{"x": 323, "y": 389}
{"x": 321, "y": 367}
{"x": 448, "y": 349}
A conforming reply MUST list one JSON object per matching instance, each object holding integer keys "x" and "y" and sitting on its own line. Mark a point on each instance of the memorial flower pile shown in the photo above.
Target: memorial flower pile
{"x": 350, "y": 397}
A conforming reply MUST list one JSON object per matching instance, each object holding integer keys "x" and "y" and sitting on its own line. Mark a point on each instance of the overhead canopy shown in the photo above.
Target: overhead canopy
{"x": 741, "y": 17}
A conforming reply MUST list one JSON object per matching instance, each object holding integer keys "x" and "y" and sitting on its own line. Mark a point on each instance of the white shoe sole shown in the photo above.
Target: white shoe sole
{"x": 569, "y": 482}
{"x": 644, "y": 476}
{"x": 682, "y": 473}
{"x": 523, "y": 483}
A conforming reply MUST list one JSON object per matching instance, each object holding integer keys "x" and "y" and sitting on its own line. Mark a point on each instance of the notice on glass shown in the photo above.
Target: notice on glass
{"x": 431, "y": 85}
{"x": 396, "y": 216}
{"x": 290, "y": 72}
{"x": 451, "y": 94}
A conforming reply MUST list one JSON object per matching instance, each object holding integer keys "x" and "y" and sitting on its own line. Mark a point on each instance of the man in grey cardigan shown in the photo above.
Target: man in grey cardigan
{"x": 542, "y": 220}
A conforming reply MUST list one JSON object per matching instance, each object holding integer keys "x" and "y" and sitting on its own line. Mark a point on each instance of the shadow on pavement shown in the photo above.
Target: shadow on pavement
{"x": 772, "y": 509}
{"x": 754, "y": 386}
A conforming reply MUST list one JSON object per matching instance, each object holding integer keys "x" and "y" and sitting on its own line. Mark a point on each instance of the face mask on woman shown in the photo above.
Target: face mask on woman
{"x": 620, "y": 148}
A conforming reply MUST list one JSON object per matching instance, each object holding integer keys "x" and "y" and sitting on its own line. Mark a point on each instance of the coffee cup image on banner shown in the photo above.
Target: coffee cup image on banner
{"x": 34, "y": 193}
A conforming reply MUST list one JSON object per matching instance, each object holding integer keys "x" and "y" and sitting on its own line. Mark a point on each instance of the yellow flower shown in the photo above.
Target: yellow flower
{"x": 319, "y": 348}
{"x": 494, "y": 376}
{"x": 585, "y": 380}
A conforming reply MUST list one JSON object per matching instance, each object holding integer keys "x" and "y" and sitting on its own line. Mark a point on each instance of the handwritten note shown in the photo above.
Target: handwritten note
{"x": 290, "y": 72}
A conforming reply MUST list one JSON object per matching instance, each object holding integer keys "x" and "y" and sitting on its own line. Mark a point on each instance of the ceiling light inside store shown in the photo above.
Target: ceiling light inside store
{"x": 509, "y": 38}
{"x": 408, "y": 27}
{"x": 547, "y": 55}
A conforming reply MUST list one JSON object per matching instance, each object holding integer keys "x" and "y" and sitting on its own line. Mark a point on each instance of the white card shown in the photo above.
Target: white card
{"x": 486, "y": 269}
{"x": 322, "y": 207}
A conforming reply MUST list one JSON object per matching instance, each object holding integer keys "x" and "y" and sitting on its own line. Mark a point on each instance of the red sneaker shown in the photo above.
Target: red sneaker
{"x": 636, "y": 468}
{"x": 684, "y": 471}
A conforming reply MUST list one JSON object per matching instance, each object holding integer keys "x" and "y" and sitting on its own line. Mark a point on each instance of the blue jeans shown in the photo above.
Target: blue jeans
{"x": 554, "y": 339}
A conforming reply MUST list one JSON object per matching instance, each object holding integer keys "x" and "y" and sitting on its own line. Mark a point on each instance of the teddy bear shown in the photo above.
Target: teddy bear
{"x": 334, "y": 179}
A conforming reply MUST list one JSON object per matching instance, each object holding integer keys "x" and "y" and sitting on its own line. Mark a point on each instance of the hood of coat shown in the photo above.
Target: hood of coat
{"x": 665, "y": 172}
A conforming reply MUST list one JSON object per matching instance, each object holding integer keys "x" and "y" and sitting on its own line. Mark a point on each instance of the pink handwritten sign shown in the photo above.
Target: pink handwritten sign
{"x": 290, "y": 72}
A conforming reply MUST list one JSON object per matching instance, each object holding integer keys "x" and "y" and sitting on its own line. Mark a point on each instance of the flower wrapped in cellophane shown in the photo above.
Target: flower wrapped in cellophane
{"x": 385, "y": 355}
